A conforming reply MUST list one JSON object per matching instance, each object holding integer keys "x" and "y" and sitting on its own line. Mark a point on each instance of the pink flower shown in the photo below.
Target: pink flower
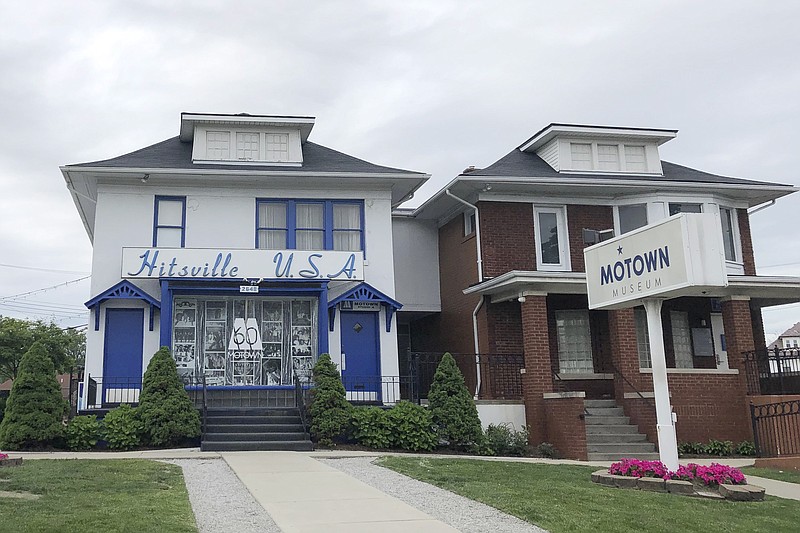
{"x": 712, "y": 475}
{"x": 3, "y": 456}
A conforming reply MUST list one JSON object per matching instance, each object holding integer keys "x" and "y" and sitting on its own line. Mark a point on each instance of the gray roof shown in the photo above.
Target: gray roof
{"x": 175, "y": 154}
{"x": 520, "y": 164}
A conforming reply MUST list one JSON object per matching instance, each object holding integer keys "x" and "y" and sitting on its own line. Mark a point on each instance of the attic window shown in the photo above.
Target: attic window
{"x": 607, "y": 157}
{"x": 581, "y": 156}
{"x": 635, "y": 160}
{"x": 277, "y": 147}
{"x": 218, "y": 144}
{"x": 247, "y": 146}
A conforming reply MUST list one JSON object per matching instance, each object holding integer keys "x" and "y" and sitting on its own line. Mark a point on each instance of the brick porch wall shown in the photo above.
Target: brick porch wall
{"x": 566, "y": 428}
{"x": 538, "y": 378}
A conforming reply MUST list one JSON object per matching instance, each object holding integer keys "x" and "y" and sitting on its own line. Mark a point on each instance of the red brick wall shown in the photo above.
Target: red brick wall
{"x": 507, "y": 240}
{"x": 596, "y": 217}
{"x": 538, "y": 378}
{"x": 566, "y": 428}
{"x": 747, "y": 242}
{"x": 504, "y": 327}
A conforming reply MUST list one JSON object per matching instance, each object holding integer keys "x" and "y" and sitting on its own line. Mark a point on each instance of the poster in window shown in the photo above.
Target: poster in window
{"x": 302, "y": 367}
{"x": 301, "y": 341}
{"x": 185, "y": 317}
{"x": 215, "y": 336}
{"x": 215, "y": 310}
{"x": 272, "y": 331}
{"x": 215, "y": 361}
{"x": 273, "y": 351}
{"x": 272, "y": 371}
{"x": 184, "y": 355}
{"x": 301, "y": 313}
{"x": 273, "y": 311}
{"x": 215, "y": 378}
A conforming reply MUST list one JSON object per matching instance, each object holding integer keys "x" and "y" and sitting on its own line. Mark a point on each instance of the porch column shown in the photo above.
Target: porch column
{"x": 538, "y": 377}
{"x": 738, "y": 324}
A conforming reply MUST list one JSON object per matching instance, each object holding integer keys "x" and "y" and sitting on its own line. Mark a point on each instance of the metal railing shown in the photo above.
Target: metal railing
{"x": 300, "y": 390}
{"x": 108, "y": 392}
{"x": 487, "y": 376}
{"x": 776, "y": 428}
{"x": 773, "y": 371}
{"x": 379, "y": 390}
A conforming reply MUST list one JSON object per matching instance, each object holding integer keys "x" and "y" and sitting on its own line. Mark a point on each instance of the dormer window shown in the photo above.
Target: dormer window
{"x": 581, "y": 156}
{"x": 277, "y": 147}
{"x": 635, "y": 158}
{"x": 218, "y": 145}
{"x": 248, "y": 146}
{"x": 605, "y": 157}
{"x": 608, "y": 157}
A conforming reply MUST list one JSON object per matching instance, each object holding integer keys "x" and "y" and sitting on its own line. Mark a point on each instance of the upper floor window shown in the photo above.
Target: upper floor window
{"x": 581, "y": 156}
{"x": 631, "y": 217}
{"x": 608, "y": 157}
{"x": 635, "y": 158}
{"x": 169, "y": 221}
{"x": 310, "y": 225}
{"x": 248, "y": 146}
{"x": 469, "y": 223}
{"x": 674, "y": 209}
{"x": 551, "y": 238}
{"x": 218, "y": 144}
{"x": 728, "y": 218}
{"x": 277, "y": 146}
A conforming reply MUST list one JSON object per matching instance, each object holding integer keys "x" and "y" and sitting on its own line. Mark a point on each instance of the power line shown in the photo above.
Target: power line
{"x": 44, "y": 269}
{"x": 23, "y": 304}
{"x": 16, "y": 296}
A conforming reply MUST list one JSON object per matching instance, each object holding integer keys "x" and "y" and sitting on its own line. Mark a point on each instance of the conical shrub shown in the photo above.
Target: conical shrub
{"x": 452, "y": 407}
{"x": 35, "y": 410}
{"x": 330, "y": 412}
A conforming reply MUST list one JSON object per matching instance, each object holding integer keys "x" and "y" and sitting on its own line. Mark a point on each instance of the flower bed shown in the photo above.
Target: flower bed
{"x": 5, "y": 460}
{"x": 714, "y": 481}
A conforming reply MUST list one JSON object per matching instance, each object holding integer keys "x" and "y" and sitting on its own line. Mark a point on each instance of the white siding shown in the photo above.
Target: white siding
{"x": 549, "y": 152}
{"x": 416, "y": 258}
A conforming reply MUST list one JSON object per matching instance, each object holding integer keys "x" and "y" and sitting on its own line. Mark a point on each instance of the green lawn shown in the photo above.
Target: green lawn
{"x": 792, "y": 476}
{"x": 561, "y": 498}
{"x": 96, "y": 495}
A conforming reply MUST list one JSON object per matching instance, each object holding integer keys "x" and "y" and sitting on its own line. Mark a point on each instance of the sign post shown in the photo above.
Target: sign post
{"x": 679, "y": 256}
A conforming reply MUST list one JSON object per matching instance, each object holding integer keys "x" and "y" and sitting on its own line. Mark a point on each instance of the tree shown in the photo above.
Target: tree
{"x": 66, "y": 348}
{"x": 330, "y": 411}
{"x": 34, "y": 409}
{"x": 452, "y": 407}
{"x": 165, "y": 410}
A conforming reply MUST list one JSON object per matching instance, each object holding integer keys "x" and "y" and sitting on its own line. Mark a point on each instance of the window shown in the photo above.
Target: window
{"x": 728, "y": 219}
{"x": 635, "y": 159}
{"x": 632, "y": 217}
{"x": 674, "y": 209}
{"x": 277, "y": 146}
{"x": 574, "y": 342}
{"x": 581, "y": 156}
{"x": 642, "y": 338}
{"x": 310, "y": 225}
{"x": 469, "y": 222}
{"x": 169, "y": 221}
{"x": 218, "y": 144}
{"x": 247, "y": 146}
{"x": 551, "y": 241}
{"x": 608, "y": 156}
{"x": 681, "y": 339}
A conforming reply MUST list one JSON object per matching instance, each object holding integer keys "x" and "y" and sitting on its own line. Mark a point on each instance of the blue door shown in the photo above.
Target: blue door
{"x": 122, "y": 358}
{"x": 361, "y": 373}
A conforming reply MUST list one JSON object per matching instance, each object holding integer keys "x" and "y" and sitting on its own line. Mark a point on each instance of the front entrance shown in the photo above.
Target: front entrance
{"x": 361, "y": 356}
{"x": 122, "y": 359}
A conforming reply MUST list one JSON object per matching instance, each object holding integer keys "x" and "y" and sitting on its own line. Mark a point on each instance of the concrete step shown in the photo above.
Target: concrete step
{"x": 605, "y": 411}
{"x": 622, "y": 449}
{"x": 600, "y": 403}
{"x": 612, "y": 438}
{"x": 610, "y": 429}
{"x": 254, "y": 428}
{"x": 593, "y": 420}
{"x": 617, "y": 456}
{"x": 251, "y": 419}
{"x": 263, "y": 445}
{"x": 238, "y": 437}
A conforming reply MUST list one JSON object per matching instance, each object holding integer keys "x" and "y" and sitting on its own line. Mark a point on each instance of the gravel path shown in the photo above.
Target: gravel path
{"x": 462, "y": 513}
{"x": 221, "y": 503}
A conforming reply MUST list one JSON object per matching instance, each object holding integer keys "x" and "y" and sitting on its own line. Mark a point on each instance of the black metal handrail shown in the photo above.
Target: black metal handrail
{"x": 300, "y": 401}
{"x": 776, "y": 428}
{"x": 205, "y": 405}
{"x": 772, "y": 371}
{"x": 557, "y": 377}
{"x": 618, "y": 372}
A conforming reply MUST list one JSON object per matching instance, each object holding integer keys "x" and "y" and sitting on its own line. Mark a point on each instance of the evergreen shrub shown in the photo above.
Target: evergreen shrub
{"x": 165, "y": 410}
{"x": 372, "y": 427}
{"x": 411, "y": 427}
{"x": 2, "y": 407}
{"x": 35, "y": 410}
{"x": 122, "y": 429}
{"x": 329, "y": 410}
{"x": 83, "y": 432}
{"x": 455, "y": 416}
{"x": 502, "y": 439}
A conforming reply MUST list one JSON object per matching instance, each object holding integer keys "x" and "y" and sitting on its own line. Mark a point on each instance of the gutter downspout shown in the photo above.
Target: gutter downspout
{"x": 759, "y": 208}
{"x": 480, "y": 280}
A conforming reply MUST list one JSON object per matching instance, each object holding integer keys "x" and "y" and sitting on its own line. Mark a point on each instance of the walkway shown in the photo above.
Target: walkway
{"x": 302, "y": 494}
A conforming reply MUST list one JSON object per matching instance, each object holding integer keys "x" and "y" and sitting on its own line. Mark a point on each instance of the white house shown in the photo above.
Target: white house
{"x": 246, "y": 249}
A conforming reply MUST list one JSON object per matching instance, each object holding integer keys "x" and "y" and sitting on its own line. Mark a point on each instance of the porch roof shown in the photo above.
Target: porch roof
{"x": 764, "y": 291}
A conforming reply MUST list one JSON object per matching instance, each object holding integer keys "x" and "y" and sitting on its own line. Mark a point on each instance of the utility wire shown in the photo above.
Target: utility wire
{"x": 20, "y": 295}
{"x": 44, "y": 269}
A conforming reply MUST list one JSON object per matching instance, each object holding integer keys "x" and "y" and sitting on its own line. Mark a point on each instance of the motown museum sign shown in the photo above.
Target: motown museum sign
{"x": 679, "y": 256}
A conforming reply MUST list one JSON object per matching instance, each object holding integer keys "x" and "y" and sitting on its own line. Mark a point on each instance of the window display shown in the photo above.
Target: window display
{"x": 245, "y": 341}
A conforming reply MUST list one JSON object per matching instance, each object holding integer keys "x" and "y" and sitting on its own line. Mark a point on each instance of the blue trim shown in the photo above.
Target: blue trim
{"x": 182, "y": 227}
{"x": 124, "y": 290}
{"x": 242, "y": 387}
{"x": 364, "y": 292}
{"x": 165, "y": 327}
{"x": 322, "y": 334}
{"x": 291, "y": 228}
{"x": 123, "y": 348}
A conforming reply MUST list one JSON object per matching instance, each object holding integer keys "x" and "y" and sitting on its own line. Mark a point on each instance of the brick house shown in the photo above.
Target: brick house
{"x": 510, "y": 254}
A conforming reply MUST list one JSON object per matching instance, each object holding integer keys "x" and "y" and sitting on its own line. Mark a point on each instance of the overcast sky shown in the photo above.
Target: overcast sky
{"x": 433, "y": 86}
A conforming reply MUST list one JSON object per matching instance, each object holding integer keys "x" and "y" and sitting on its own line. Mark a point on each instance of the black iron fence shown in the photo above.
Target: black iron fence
{"x": 487, "y": 376}
{"x": 379, "y": 390}
{"x": 773, "y": 371}
{"x": 101, "y": 392}
{"x": 776, "y": 428}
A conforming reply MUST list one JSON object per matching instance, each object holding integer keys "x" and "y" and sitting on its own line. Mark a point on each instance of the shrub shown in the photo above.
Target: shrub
{"x": 2, "y": 407}
{"x": 122, "y": 428}
{"x": 329, "y": 409}
{"x": 83, "y": 432}
{"x": 545, "y": 449}
{"x": 503, "y": 439}
{"x": 455, "y": 416}
{"x": 371, "y": 427}
{"x": 35, "y": 409}
{"x": 165, "y": 410}
{"x": 745, "y": 447}
{"x": 691, "y": 448}
{"x": 719, "y": 448}
{"x": 411, "y": 427}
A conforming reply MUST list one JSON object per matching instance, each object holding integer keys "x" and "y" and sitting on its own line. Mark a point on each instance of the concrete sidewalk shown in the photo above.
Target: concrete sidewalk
{"x": 301, "y": 494}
